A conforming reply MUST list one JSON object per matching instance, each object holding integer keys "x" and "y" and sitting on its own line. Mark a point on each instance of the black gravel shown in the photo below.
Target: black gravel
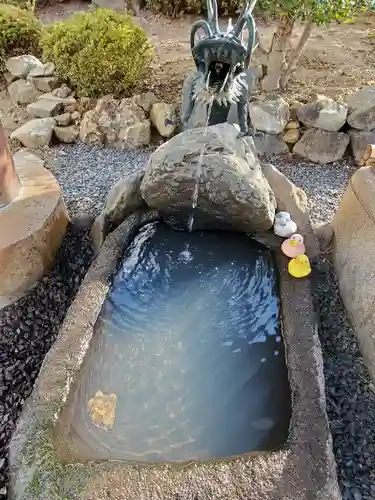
{"x": 349, "y": 391}
{"x": 28, "y": 329}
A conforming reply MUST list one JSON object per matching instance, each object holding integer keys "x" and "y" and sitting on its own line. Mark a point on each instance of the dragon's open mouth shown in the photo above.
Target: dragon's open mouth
{"x": 217, "y": 76}
{"x": 220, "y": 83}
{"x": 219, "y": 60}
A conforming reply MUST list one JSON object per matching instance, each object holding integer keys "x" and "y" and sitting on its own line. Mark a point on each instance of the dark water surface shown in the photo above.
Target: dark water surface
{"x": 189, "y": 342}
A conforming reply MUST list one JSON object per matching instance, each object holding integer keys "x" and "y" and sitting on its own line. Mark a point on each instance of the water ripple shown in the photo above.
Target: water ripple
{"x": 189, "y": 341}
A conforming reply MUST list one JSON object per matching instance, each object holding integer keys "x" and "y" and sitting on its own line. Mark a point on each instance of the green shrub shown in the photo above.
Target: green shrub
{"x": 233, "y": 8}
{"x": 98, "y": 52}
{"x": 22, "y": 4}
{"x": 20, "y": 33}
{"x": 176, "y": 7}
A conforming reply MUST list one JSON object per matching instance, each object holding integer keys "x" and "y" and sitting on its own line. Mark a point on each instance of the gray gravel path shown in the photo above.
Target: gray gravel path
{"x": 86, "y": 173}
{"x": 324, "y": 184}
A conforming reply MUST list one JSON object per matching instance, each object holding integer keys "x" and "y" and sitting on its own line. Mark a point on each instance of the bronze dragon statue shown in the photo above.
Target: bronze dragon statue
{"x": 222, "y": 77}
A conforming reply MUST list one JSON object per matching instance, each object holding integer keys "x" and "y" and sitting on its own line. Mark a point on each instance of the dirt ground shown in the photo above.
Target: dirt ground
{"x": 338, "y": 59}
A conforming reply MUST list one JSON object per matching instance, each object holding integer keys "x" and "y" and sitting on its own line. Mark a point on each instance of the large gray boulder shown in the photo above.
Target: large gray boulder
{"x": 35, "y": 133}
{"x": 123, "y": 199}
{"x": 324, "y": 113}
{"x": 321, "y": 146}
{"x": 20, "y": 66}
{"x": 232, "y": 194}
{"x": 121, "y": 124}
{"x": 22, "y": 92}
{"x": 359, "y": 140}
{"x": 270, "y": 116}
{"x": 270, "y": 144}
{"x": 363, "y": 99}
{"x": 363, "y": 118}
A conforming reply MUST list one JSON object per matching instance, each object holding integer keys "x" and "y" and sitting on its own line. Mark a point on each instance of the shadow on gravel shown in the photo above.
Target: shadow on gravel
{"x": 28, "y": 329}
{"x": 349, "y": 390}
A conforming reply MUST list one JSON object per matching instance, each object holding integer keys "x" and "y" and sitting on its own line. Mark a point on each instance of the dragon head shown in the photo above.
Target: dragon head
{"x": 222, "y": 57}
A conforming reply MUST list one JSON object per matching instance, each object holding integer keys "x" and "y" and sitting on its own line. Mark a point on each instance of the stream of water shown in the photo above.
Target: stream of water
{"x": 199, "y": 169}
{"x": 188, "y": 352}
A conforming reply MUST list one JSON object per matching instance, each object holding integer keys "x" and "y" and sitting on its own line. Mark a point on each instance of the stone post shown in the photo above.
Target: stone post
{"x": 32, "y": 225}
{"x": 9, "y": 182}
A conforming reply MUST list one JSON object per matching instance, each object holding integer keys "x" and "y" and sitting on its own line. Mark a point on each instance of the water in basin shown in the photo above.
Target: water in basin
{"x": 187, "y": 360}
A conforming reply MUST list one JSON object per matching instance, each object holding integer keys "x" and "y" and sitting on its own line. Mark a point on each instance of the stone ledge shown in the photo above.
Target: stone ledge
{"x": 31, "y": 227}
{"x": 319, "y": 130}
{"x": 303, "y": 470}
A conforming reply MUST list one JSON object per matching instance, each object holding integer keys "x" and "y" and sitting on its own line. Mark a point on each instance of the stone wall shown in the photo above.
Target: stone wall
{"x": 56, "y": 114}
{"x": 321, "y": 131}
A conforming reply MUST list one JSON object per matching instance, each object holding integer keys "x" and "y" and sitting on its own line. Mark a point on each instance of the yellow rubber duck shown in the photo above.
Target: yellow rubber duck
{"x": 299, "y": 267}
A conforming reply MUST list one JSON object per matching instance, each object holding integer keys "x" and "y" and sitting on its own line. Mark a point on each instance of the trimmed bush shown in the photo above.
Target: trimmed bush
{"x": 20, "y": 33}
{"x": 98, "y": 52}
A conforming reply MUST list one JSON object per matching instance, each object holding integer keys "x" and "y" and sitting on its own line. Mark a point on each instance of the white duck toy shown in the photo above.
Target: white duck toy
{"x": 284, "y": 226}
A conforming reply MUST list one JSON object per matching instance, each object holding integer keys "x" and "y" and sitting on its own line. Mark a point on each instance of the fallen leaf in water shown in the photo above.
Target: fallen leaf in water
{"x": 102, "y": 408}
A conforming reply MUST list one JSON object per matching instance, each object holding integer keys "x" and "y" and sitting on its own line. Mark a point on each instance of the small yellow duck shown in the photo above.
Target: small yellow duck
{"x": 299, "y": 267}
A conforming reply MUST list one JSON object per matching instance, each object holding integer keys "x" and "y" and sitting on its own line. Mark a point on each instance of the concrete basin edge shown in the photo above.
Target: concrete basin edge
{"x": 303, "y": 470}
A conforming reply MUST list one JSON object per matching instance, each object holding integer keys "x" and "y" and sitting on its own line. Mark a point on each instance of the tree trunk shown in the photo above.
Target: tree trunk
{"x": 296, "y": 54}
{"x": 277, "y": 55}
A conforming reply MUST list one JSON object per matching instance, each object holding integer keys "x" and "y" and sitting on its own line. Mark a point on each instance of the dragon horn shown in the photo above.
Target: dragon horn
{"x": 212, "y": 14}
{"x": 251, "y": 42}
{"x": 199, "y": 25}
{"x": 248, "y": 9}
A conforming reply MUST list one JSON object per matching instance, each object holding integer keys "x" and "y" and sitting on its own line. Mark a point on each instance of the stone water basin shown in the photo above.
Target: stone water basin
{"x": 187, "y": 360}
{"x": 186, "y": 398}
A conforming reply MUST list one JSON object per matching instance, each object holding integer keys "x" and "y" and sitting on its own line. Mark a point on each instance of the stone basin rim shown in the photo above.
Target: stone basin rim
{"x": 293, "y": 469}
